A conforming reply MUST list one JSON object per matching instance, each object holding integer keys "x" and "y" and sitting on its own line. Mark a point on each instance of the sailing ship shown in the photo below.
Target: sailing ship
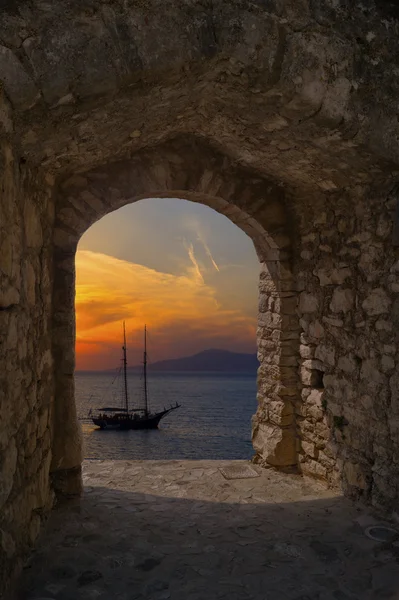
{"x": 125, "y": 417}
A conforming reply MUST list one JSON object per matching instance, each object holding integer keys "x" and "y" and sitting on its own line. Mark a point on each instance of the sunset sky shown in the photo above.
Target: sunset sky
{"x": 180, "y": 267}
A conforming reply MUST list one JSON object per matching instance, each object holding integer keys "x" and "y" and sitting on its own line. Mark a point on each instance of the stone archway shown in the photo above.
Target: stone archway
{"x": 303, "y": 94}
{"x": 194, "y": 171}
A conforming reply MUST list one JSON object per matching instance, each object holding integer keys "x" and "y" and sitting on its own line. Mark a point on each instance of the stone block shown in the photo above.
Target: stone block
{"x": 325, "y": 353}
{"x": 387, "y": 363}
{"x": 7, "y": 255}
{"x": 315, "y": 413}
{"x": 263, "y": 303}
{"x": 67, "y": 483}
{"x": 311, "y": 468}
{"x": 333, "y": 322}
{"x": 34, "y": 529}
{"x": 347, "y": 363}
{"x": 7, "y": 470}
{"x": 280, "y": 412}
{"x": 9, "y": 296}
{"x": 269, "y": 319}
{"x": 389, "y": 348}
{"x": 274, "y": 444}
{"x": 286, "y": 306}
{"x": 342, "y": 300}
{"x": 377, "y": 302}
{"x": 33, "y": 228}
{"x": 20, "y": 88}
{"x": 384, "y": 226}
{"x": 333, "y": 276}
{"x": 42, "y": 423}
{"x": 313, "y": 364}
{"x": 383, "y": 325}
{"x": 337, "y": 387}
{"x": 65, "y": 240}
{"x": 300, "y": 409}
{"x": 370, "y": 371}
{"x": 29, "y": 282}
{"x": 306, "y": 351}
{"x": 327, "y": 461}
{"x": 315, "y": 398}
{"x": 355, "y": 475}
{"x": 7, "y": 544}
{"x": 286, "y": 361}
{"x": 316, "y": 330}
{"x": 308, "y": 303}
{"x": 309, "y": 449}
{"x": 76, "y": 182}
{"x": 30, "y": 445}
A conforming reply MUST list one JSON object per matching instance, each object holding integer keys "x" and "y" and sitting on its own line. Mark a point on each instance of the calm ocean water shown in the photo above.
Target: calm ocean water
{"x": 214, "y": 421}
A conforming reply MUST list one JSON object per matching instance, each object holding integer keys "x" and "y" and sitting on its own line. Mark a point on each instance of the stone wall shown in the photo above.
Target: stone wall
{"x": 26, "y": 395}
{"x": 303, "y": 90}
{"x": 348, "y": 270}
{"x": 344, "y": 345}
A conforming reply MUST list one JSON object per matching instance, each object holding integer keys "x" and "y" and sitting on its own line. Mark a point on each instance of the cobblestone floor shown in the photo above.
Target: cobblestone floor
{"x": 156, "y": 530}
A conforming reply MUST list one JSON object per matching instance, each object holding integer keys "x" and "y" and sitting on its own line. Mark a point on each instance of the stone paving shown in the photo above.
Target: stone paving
{"x": 156, "y": 530}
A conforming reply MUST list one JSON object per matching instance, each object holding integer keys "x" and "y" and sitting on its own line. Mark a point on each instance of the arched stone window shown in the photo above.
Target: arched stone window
{"x": 192, "y": 170}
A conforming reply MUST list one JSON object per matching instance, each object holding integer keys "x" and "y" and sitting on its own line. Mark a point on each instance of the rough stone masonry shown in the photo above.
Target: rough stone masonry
{"x": 282, "y": 115}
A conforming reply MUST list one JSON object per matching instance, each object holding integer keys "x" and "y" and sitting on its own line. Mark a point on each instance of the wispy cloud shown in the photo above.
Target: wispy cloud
{"x": 190, "y": 250}
{"x": 194, "y": 225}
{"x": 207, "y": 250}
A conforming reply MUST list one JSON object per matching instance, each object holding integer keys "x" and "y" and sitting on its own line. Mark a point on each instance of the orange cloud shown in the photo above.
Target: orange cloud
{"x": 181, "y": 313}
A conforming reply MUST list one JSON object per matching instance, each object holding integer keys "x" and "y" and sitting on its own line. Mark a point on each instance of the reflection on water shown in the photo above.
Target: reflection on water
{"x": 214, "y": 421}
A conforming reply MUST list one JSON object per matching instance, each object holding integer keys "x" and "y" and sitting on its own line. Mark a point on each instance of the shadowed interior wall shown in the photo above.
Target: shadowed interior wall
{"x": 26, "y": 378}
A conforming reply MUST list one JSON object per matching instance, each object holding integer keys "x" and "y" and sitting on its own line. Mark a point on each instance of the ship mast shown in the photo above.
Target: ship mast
{"x": 124, "y": 367}
{"x": 145, "y": 372}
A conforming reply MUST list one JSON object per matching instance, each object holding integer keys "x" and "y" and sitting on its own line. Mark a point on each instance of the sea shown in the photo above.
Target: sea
{"x": 214, "y": 421}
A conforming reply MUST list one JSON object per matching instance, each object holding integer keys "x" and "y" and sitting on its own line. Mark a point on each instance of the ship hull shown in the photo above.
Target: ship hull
{"x": 128, "y": 423}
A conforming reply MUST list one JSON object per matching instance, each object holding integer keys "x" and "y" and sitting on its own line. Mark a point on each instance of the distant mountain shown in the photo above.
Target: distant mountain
{"x": 209, "y": 360}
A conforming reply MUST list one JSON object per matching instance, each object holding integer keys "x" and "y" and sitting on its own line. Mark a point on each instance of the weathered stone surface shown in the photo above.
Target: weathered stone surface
{"x": 310, "y": 377}
{"x": 270, "y": 115}
{"x": 333, "y": 276}
{"x": 308, "y": 303}
{"x": 7, "y": 470}
{"x": 314, "y": 539}
{"x": 355, "y": 475}
{"x": 20, "y": 88}
{"x": 313, "y": 469}
{"x": 347, "y": 363}
{"x": 309, "y": 449}
{"x": 377, "y": 302}
{"x": 342, "y": 300}
{"x": 387, "y": 363}
{"x": 275, "y": 445}
{"x": 24, "y": 341}
{"x": 316, "y": 330}
{"x": 326, "y": 354}
{"x": 306, "y": 351}
{"x": 7, "y": 544}
{"x": 333, "y": 322}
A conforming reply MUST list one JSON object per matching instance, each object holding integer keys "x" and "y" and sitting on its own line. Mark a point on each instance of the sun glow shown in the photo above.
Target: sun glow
{"x": 182, "y": 312}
